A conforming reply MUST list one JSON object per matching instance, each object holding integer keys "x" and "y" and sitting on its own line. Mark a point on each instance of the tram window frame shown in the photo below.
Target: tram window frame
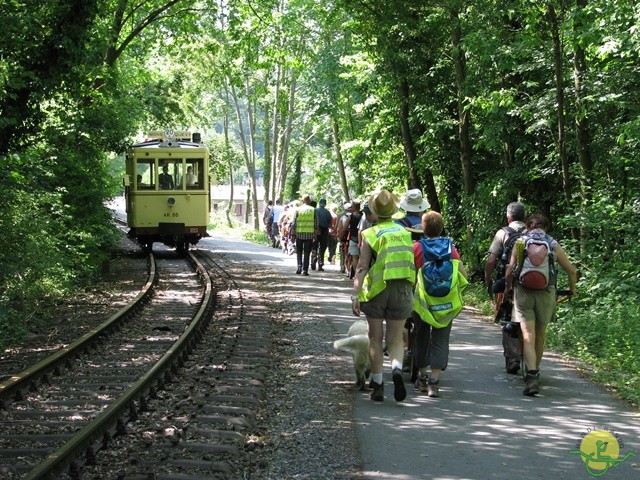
{"x": 145, "y": 177}
{"x": 198, "y": 168}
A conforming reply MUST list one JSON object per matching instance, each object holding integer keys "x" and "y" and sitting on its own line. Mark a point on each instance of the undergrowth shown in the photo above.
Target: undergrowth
{"x": 599, "y": 327}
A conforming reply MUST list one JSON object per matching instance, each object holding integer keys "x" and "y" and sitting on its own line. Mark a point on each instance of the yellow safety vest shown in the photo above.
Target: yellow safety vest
{"x": 393, "y": 250}
{"x": 439, "y": 311}
{"x": 305, "y": 219}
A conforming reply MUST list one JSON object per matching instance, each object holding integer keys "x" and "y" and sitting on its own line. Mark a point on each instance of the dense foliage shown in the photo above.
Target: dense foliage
{"x": 478, "y": 103}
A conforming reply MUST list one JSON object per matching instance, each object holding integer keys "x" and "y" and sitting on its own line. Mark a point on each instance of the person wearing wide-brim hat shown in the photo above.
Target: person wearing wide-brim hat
{"x": 383, "y": 290}
{"x": 412, "y": 206}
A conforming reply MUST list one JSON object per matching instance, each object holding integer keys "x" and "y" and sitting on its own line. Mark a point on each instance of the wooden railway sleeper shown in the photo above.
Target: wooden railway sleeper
{"x": 144, "y": 406}
{"x": 133, "y": 413}
{"x": 106, "y": 438}
{"x": 120, "y": 427}
{"x": 74, "y": 472}
{"x": 90, "y": 457}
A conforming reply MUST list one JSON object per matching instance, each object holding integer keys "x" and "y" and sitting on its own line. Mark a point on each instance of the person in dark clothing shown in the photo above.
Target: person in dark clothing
{"x": 511, "y": 345}
{"x": 165, "y": 179}
{"x": 354, "y": 249}
{"x": 324, "y": 222}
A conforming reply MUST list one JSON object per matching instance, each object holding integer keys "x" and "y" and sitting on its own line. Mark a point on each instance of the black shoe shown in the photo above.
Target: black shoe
{"x": 399, "y": 392}
{"x": 299, "y": 271}
{"x": 320, "y": 269}
{"x": 377, "y": 391}
{"x": 532, "y": 384}
{"x": 305, "y": 273}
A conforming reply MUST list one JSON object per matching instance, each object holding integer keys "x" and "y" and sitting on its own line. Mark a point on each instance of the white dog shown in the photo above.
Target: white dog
{"x": 357, "y": 342}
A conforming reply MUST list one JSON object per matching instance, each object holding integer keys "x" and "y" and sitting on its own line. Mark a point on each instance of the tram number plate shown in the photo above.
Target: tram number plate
{"x": 171, "y": 214}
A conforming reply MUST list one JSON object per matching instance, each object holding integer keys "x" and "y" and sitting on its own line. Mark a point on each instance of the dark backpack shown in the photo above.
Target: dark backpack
{"x": 509, "y": 241}
{"x": 437, "y": 271}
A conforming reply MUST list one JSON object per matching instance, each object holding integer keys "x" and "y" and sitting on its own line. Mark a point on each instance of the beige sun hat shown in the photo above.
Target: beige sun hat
{"x": 413, "y": 202}
{"x": 383, "y": 204}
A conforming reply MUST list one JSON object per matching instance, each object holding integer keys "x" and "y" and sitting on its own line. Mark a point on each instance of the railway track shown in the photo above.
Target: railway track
{"x": 203, "y": 423}
{"x": 73, "y": 403}
{"x": 157, "y": 396}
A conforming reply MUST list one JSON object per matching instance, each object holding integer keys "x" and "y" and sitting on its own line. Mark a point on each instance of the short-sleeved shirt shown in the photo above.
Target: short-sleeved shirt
{"x": 498, "y": 240}
{"x": 276, "y": 213}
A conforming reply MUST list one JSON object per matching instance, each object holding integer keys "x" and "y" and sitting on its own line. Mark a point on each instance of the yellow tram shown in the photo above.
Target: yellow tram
{"x": 167, "y": 190}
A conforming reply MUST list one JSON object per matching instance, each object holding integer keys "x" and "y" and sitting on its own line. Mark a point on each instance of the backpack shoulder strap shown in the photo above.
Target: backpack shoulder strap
{"x": 405, "y": 221}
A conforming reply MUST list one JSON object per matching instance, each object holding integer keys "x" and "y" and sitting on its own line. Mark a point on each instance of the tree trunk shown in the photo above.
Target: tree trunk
{"x": 430, "y": 190}
{"x": 268, "y": 194}
{"x": 253, "y": 181}
{"x": 287, "y": 132}
{"x": 339, "y": 159}
{"x": 251, "y": 168}
{"x": 559, "y": 79}
{"x": 407, "y": 140}
{"x": 582, "y": 121}
{"x": 276, "y": 191}
{"x": 227, "y": 153}
{"x": 464, "y": 122}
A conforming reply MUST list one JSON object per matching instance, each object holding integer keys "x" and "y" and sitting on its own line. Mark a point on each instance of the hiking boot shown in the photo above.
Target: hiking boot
{"x": 377, "y": 391}
{"x": 399, "y": 392}
{"x": 513, "y": 367}
{"x": 532, "y": 384}
{"x": 432, "y": 388}
{"x": 407, "y": 359}
{"x": 421, "y": 383}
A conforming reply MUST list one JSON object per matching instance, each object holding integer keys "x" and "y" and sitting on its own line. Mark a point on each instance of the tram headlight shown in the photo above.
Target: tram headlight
{"x": 171, "y": 201}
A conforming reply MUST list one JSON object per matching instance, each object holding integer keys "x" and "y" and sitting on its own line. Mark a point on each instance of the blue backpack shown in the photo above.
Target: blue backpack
{"x": 437, "y": 271}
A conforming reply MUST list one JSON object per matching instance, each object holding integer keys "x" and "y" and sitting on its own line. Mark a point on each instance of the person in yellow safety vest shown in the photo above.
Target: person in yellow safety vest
{"x": 305, "y": 229}
{"x": 383, "y": 290}
{"x": 433, "y": 316}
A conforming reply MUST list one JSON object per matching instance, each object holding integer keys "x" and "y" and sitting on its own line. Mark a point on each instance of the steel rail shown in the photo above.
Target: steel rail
{"x": 29, "y": 376}
{"x": 106, "y": 420}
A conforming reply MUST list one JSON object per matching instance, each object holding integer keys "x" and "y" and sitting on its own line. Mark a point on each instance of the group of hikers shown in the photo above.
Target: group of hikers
{"x": 407, "y": 276}
{"x": 317, "y": 233}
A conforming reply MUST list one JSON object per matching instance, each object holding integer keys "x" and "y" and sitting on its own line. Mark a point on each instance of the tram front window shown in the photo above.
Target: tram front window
{"x": 195, "y": 174}
{"x": 165, "y": 179}
{"x": 145, "y": 175}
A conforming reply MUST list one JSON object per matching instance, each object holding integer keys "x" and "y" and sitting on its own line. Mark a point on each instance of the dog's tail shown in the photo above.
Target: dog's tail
{"x": 353, "y": 343}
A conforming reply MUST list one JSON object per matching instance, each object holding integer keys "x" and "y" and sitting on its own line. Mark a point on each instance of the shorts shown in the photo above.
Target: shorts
{"x": 534, "y": 305}
{"x": 395, "y": 302}
{"x": 353, "y": 248}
